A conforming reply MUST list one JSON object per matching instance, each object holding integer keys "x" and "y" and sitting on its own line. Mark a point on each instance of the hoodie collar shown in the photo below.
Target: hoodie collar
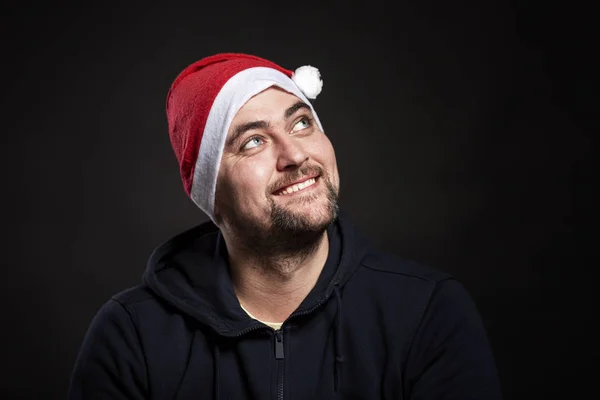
{"x": 190, "y": 272}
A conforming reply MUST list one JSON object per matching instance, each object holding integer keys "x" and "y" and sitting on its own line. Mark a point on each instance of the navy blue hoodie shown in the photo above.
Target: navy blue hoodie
{"x": 373, "y": 327}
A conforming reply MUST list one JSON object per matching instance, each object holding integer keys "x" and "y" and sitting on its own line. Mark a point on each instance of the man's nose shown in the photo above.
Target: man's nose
{"x": 290, "y": 153}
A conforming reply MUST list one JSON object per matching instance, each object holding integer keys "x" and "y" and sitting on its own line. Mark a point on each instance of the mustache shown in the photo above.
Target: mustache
{"x": 296, "y": 175}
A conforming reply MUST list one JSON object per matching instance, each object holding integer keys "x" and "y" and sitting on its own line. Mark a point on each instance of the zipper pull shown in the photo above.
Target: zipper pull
{"x": 278, "y": 344}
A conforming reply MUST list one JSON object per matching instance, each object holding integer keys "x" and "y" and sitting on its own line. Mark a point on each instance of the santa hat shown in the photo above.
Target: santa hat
{"x": 202, "y": 102}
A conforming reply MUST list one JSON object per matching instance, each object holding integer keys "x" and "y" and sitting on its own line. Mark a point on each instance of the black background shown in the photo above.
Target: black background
{"x": 463, "y": 132}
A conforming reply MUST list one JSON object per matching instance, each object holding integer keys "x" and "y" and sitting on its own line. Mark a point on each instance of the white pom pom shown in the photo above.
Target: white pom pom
{"x": 308, "y": 79}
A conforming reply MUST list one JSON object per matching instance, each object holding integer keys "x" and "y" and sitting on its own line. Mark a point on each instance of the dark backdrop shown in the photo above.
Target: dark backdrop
{"x": 463, "y": 136}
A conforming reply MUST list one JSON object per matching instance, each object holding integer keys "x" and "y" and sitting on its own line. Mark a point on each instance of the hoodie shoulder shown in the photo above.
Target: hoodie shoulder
{"x": 134, "y": 295}
{"x": 389, "y": 263}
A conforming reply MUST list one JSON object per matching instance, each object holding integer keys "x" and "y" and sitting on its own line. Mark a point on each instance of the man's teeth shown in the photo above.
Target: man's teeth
{"x": 300, "y": 186}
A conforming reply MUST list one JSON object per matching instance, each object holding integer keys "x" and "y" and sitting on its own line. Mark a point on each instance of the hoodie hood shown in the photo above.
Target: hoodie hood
{"x": 191, "y": 273}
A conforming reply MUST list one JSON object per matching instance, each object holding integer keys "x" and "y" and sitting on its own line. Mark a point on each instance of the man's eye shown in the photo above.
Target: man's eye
{"x": 302, "y": 124}
{"x": 255, "y": 141}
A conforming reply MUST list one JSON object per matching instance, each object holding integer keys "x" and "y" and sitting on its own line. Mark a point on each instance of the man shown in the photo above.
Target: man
{"x": 279, "y": 296}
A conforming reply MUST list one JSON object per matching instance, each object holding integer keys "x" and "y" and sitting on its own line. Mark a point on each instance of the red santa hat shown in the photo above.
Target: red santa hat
{"x": 202, "y": 102}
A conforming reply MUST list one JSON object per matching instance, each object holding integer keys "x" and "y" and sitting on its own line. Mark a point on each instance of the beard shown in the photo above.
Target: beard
{"x": 286, "y": 233}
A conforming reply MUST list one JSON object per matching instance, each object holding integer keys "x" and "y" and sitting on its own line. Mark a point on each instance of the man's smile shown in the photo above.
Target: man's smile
{"x": 297, "y": 186}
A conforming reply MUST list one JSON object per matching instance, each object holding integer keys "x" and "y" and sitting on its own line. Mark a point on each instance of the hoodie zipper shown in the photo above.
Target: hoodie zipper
{"x": 280, "y": 360}
{"x": 279, "y": 355}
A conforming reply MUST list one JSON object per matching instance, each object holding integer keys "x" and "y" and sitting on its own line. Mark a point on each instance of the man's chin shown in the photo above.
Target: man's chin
{"x": 302, "y": 218}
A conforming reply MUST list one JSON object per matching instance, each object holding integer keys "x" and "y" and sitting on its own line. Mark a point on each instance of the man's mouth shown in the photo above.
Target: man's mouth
{"x": 297, "y": 187}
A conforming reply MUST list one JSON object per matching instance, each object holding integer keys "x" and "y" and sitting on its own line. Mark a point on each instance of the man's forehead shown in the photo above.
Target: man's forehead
{"x": 273, "y": 100}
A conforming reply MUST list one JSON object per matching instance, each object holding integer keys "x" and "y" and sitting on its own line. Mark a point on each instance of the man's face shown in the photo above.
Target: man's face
{"x": 278, "y": 174}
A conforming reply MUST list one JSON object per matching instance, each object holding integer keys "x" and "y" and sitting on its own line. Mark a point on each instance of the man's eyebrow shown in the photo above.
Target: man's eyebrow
{"x": 243, "y": 128}
{"x": 290, "y": 111}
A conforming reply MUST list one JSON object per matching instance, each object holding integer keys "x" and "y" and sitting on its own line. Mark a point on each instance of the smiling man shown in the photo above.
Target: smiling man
{"x": 278, "y": 296}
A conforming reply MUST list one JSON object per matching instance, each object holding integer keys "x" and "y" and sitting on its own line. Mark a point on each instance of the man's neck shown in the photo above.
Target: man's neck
{"x": 272, "y": 288}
